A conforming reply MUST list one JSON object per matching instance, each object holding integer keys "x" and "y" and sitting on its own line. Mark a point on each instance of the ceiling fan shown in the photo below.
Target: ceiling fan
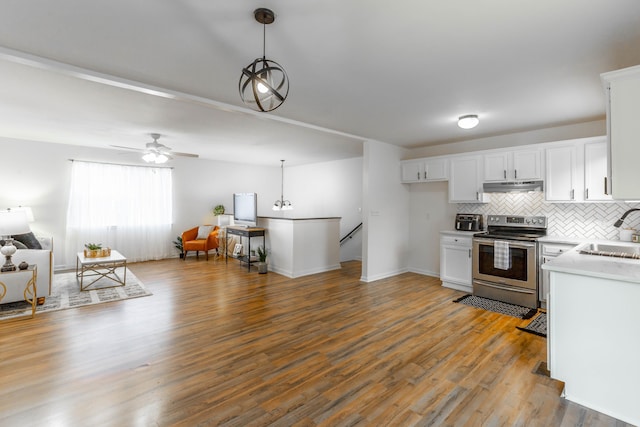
{"x": 156, "y": 152}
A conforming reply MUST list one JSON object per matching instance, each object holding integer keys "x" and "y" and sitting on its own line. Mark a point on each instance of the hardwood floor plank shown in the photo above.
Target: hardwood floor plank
{"x": 216, "y": 345}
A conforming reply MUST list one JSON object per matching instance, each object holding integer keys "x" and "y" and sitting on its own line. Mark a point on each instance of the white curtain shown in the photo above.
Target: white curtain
{"x": 126, "y": 208}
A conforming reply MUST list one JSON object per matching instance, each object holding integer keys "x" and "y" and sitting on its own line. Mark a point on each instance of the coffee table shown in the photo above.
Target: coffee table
{"x": 101, "y": 267}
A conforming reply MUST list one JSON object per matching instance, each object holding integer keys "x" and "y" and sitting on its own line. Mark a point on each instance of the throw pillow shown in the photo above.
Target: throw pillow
{"x": 204, "y": 231}
{"x": 29, "y": 240}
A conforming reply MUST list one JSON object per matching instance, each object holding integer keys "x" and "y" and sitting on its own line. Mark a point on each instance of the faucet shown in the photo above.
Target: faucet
{"x": 622, "y": 218}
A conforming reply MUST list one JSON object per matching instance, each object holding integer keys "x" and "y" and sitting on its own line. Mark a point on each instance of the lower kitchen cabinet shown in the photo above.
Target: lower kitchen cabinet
{"x": 455, "y": 260}
{"x": 548, "y": 251}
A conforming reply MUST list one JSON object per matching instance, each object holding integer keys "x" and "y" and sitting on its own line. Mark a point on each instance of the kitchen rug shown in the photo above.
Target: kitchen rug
{"x": 537, "y": 326}
{"x": 497, "y": 306}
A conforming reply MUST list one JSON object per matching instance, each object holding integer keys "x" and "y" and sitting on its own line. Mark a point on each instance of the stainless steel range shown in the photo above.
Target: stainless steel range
{"x": 505, "y": 259}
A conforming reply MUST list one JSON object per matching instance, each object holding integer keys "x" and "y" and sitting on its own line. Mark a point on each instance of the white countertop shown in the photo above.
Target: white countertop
{"x": 563, "y": 239}
{"x": 623, "y": 269}
{"x": 459, "y": 233}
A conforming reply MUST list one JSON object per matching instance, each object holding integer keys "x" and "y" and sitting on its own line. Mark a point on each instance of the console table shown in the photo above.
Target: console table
{"x": 26, "y": 278}
{"x": 247, "y": 232}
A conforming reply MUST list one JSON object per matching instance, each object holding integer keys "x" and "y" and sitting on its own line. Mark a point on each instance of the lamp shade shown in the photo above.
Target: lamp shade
{"x": 28, "y": 211}
{"x": 13, "y": 222}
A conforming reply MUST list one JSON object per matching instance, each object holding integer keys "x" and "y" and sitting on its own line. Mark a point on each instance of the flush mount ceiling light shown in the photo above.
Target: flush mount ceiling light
{"x": 282, "y": 204}
{"x": 469, "y": 121}
{"x": 264, "y": 84}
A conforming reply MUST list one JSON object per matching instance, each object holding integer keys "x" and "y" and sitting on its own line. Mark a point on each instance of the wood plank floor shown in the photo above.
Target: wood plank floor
{"x": 216, "y": 345}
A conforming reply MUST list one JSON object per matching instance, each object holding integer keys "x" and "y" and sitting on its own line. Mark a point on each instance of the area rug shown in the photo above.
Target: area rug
{"x": 66, "y": 293}
{"x": 498, "y": 306}
{"x": 537, "y": 326}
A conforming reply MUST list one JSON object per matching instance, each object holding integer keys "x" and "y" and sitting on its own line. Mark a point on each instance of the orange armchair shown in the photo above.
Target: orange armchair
{"x": 190, "y": 241}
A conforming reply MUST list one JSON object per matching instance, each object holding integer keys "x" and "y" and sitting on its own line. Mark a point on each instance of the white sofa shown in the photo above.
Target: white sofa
{"x": 43, "y": 258}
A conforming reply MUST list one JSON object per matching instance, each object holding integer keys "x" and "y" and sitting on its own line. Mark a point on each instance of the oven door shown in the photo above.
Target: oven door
{"x": 523, "y": 271}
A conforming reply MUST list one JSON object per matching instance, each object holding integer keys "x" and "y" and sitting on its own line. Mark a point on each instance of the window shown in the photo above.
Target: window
{"x": 127, "y": 208}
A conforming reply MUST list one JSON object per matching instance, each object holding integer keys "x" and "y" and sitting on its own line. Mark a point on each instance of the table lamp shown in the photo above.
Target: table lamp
{"x": 11, "y": 223}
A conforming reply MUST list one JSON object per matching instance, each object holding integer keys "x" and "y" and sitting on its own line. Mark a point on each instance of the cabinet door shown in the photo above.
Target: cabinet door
{"x": 455, "y": 264}
{"x": 411, "y": 171}
{"x": 595, "y": 171}
{"x": 526, "y": 165}
{"x": 496, "y": 166}
{"x": 560, "y": 181}
{"x": 464, "y": 180}
{"x": 625, "y": 140}
{"x": 436, "y": 169}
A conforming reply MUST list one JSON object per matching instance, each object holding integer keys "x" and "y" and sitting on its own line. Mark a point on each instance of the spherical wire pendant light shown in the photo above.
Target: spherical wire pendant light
{"x": 264, "y": 84}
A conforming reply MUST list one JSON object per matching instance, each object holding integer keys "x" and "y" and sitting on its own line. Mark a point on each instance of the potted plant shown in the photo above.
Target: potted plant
{"x": 218, "y": 210}
{"x": 262, "y": 260}
{"x": 178, "y": 245}
{"x": 95, "y": 250}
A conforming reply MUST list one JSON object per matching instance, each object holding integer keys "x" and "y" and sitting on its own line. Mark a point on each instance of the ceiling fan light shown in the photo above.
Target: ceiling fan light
{"x": 161, "y": 158}
{"x": 149, "y": 157}
{"x": 468, "y": 122}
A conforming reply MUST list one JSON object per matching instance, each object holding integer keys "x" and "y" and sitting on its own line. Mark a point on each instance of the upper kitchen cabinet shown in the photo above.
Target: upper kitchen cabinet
{"x": 595, "y": 171}
{"x": 424, "y": 170}
{"x": 575, "y": 171}
{"x": 465, "y": 180}
{"x": 623, "y": 130}
{"x": 561, "y": 175}
{"x": 512, "y": 165}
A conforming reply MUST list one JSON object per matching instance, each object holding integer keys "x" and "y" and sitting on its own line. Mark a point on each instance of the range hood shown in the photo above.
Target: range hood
{"x": 513, "y": 186}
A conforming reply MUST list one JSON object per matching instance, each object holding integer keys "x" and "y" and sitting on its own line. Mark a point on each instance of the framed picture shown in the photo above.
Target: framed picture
{"x": 237, "y": 249}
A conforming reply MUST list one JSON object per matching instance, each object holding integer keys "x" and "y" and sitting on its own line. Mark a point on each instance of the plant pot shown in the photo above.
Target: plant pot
{"x": 263, "y": 267}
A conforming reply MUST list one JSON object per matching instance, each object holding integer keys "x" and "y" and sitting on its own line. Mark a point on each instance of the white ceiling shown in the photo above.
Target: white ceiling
{"x": 111, "y": 72}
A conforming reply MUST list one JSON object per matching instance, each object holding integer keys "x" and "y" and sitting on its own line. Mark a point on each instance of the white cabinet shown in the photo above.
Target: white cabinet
{"x": 549, "y": 251}
{"x": 575, "y": 171}
{"x": 424, "y": 170}
{"x": 595, "y": 171}
{"x": 455, "y": 260}
{"x": 465, "y": 180}
{"x": 512, "y": 165}
{"x": 561, "y": 175}
{"x": 623, "y": 130}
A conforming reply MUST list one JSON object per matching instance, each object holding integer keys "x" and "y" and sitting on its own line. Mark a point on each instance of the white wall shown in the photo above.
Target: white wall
{"x": 327, "y": 189}
{"x": 386, "y": 213}
{"x": 558, "y": 133}
{"x": 429, "y": 212}
{"x": 39, "y": 177}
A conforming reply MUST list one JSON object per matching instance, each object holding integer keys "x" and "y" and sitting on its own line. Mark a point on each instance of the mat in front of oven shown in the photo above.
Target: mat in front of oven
{"x": 497, "y": 306}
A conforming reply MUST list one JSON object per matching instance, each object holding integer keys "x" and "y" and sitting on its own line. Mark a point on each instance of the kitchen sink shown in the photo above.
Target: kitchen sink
{"x": 604, "y": 249}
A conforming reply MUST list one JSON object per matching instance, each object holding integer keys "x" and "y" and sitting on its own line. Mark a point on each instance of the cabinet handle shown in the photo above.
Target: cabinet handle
{"x": 586, "y": 194}
{"x": 572, "y": 193}
{"x": 469, "y": 253}
{"x": 477, "y": 195}
{"x": 515, "y": 174}
{"x": 504, "y": 174}
{"x": 418, "y": 174}
{"x": 425, "y": 174}
{"x": 606, "y": 190}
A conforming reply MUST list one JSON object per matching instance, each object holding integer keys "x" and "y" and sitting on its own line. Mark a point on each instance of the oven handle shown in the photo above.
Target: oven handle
{"x": 512, "y": 243}
{"x": 507, "y": 288}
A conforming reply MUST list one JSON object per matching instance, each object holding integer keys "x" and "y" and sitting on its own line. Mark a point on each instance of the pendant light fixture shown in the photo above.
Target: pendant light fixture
{"x": 264, "y": 84}
{"x": 282, "y": 204}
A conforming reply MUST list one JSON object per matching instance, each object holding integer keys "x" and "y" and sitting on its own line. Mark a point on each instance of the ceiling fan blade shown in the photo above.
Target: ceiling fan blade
{"x": 127, "y": 148}
{"x": 175, "y": 153}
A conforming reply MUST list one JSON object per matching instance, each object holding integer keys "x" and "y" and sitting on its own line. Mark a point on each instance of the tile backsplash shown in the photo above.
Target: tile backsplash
{"x": 583, "y": 220}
